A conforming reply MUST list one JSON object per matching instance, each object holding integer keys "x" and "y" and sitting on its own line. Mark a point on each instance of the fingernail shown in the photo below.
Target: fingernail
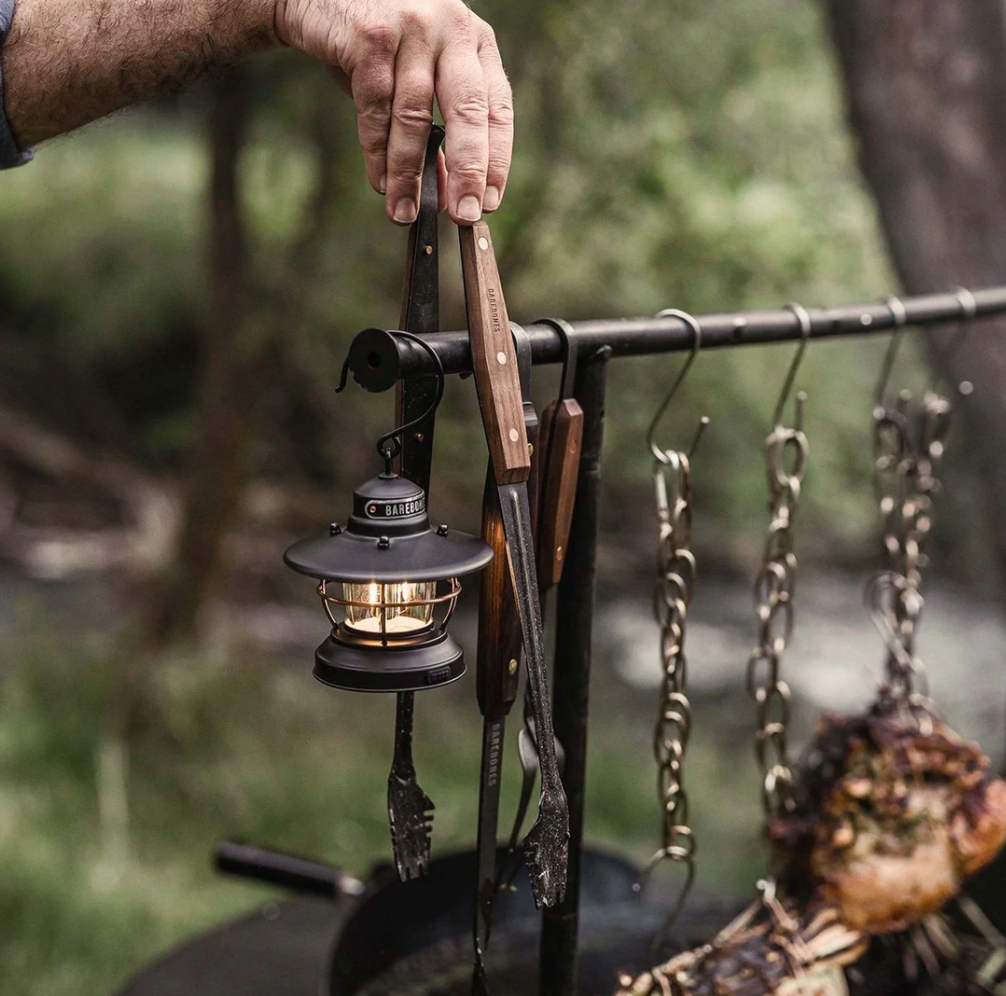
{"x": 468, "y": 208}
{"x": 383, "y": 185}
{"x": 405, "y": 211}
{"x": 491, "y": 201}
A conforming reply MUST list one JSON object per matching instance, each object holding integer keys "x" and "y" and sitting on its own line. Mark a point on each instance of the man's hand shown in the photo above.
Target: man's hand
{"x": 68, "y": 62}
{"x": 395, "y": 56}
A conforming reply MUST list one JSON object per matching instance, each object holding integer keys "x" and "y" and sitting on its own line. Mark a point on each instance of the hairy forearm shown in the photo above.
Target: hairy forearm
{"x": 69, "y": 62}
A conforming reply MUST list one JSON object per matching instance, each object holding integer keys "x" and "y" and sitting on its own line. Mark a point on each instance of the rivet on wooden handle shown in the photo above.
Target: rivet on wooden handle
{"x": 561, "y": 440}
{"x": 497, "y": 379}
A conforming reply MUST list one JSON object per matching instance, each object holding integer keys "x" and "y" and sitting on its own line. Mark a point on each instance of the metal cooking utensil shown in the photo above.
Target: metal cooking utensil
{"x": 410, "y": 809}
{"x": 498, "y": 384}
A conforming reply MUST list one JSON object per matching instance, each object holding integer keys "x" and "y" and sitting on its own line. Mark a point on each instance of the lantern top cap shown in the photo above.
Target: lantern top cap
{"x": 388, "y": 539}
{"x": 388, "y": 500}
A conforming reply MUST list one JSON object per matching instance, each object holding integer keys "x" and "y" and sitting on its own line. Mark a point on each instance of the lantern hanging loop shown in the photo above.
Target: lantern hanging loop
{"x": 390, "y": 444}
{"x": 661, "y": 455}
{"x": 803, "y": 317}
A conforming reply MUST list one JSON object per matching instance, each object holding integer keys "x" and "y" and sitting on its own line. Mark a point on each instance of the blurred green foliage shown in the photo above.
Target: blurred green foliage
{"x": 694, "y": 157}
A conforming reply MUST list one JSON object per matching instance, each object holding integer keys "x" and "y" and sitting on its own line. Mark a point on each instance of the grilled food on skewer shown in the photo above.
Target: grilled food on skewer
{"x": 892, "y": 811}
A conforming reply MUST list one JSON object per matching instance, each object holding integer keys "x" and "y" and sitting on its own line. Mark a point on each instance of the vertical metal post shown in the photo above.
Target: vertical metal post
{"x": 574, "y": 619}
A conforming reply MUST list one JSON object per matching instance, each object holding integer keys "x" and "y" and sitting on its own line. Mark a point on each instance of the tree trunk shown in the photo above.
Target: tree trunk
{"x": 232, "y": 372}
{"x": 926, "y": 88}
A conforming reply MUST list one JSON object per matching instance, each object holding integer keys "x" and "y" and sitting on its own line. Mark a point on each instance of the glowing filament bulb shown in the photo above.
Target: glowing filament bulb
{"x": 392, "y": 609}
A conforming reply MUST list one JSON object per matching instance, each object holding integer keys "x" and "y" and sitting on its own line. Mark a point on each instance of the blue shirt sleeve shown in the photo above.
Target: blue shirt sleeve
{"x": 10, "y": 154}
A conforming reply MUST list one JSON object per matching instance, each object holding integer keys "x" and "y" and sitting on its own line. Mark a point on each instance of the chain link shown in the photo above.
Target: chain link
{"x": 908, "y": 447}
{"x": 775, "y": 586}
{"x": 672, "y": 596}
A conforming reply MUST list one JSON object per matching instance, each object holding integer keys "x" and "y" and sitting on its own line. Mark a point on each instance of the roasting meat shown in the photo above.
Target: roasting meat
{"x": 891, "y": 813}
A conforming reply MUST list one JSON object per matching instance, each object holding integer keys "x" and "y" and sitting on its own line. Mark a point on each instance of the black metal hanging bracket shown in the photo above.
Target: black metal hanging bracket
{"x": 421, "y": 391}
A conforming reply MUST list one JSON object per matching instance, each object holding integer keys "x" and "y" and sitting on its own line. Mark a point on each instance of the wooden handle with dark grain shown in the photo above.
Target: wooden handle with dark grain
{"x": 499, "y": 644}
{"x": 561, "y": 437}
{"x": 497, "y": 379}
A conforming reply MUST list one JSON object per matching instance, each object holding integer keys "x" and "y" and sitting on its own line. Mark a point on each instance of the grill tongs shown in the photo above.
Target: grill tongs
{"x": 497, "y": 382}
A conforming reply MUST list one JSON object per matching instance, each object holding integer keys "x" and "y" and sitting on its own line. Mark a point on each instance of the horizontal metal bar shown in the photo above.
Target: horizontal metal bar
{"x": 378, "y": 359}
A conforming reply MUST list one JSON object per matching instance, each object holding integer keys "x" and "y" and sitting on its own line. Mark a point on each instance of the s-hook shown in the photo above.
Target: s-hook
{"x": 806, "y": 326}
{"x": 900, "y": 318}
{"x": 908, "y": 448}
{"x": 774, "y": 590}
{"x": 672, "y": 596}
{"x": 969, "y": 308}
{"x": 662, "y": 455}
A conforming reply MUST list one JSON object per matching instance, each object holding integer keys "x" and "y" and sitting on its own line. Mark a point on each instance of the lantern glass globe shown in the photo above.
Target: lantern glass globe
{"x": 391, "y": 609}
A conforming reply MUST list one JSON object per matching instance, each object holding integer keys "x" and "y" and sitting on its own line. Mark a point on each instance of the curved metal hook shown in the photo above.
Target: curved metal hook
{"x": 969, "y": 308}
{"x": 343, "y": 377}
{"x": 389, "y": 452}
{"x": 900, "y": 318}
{"x": 681, "y": 854}
{"x": 803, "y": 317}
{"x": 659, "y": 454}
{"x": 880, "y": 586}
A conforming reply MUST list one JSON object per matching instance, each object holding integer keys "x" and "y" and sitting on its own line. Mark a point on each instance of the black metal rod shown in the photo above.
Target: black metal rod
{"x": 378, "y": 360}
{"x": 570, "y": 699}
{"x": 288, "y": 871}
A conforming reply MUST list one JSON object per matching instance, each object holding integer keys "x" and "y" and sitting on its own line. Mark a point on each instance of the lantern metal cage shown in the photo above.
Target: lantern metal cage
{"x": 389, "y": 584}
{"x": 399, "y": 612}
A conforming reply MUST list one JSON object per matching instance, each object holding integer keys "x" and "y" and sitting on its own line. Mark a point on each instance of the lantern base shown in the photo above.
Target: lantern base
{"x": 389, "y": 669}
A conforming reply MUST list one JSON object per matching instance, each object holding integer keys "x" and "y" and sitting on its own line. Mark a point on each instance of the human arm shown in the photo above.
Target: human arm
{"x": 69, "y": 62}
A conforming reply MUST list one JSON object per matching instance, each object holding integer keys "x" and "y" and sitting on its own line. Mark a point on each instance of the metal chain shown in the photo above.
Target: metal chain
{"x": 908, "y": 445}
{"x": 786, "y": 463}
{"x": 672, "y": 596}
{"x": 908, "y": 448}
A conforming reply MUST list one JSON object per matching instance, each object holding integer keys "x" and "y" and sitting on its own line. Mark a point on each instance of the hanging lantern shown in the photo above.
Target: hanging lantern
{"x": 389, "y": 584}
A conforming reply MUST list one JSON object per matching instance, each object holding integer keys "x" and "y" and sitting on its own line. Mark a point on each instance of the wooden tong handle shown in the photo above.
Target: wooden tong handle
{"x": 494, "y": 360}
{"x": 500, "y": 639}
{"x": 499, "y": 646}
{"x": 561, "y": 437}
